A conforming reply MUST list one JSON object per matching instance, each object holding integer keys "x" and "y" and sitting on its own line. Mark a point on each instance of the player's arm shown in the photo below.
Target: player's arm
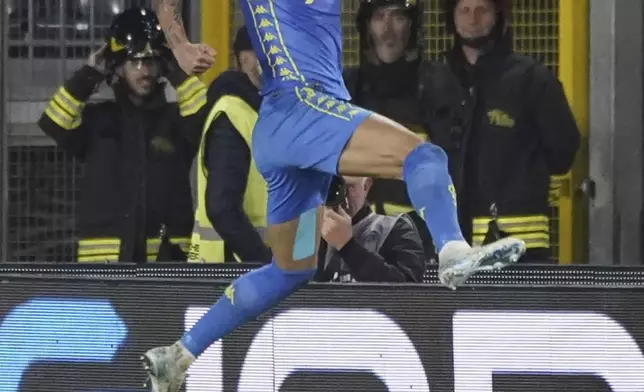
{"x": 171, "y": 20}
{"x": 193, "y": 59}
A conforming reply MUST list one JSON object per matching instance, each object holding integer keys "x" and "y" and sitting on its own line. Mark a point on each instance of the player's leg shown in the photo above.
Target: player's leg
{"x": 332, "y": 136}
{"x": 383, "y": 148}
{"x": 293, "y": 235}
{"x": 380, "y": 147}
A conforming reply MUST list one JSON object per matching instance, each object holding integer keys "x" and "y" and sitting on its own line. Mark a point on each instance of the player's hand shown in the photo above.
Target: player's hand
{"x": 194, "y": 59}
{"x": 96, "y": 59}
{"x": 336, "y": 229}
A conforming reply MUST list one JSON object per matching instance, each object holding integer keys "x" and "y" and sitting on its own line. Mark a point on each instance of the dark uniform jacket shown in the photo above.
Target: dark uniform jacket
{"x": 394, "y": 91}
{"x": 506, "y": 127}
{"x": 137, "y": 162}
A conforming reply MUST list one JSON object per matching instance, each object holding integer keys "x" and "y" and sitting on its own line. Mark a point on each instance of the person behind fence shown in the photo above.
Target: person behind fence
{"x": 387, "y": 82}
{"x": 506, "y": 126}
{"x": 137, "y": 148}
{"x": 359, "y": 245}
{"x": 230, "y": 219}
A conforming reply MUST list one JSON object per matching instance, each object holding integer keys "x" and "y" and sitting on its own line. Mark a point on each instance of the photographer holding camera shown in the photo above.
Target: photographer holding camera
{"x": 359, "y": 245}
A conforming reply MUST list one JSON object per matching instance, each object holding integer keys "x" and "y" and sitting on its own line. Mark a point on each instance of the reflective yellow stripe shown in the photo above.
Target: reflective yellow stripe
{"x": 152, "y": 246}
{"x": 532, "y": 240}
{"x": 534, "y": 229}
{"x": 194, "y": 104}
{"x": 183, "y": 243}
{"x": 58, "y": 119}
{"x": 513, "y": 230}
{"x": 61, "y": 116}
{"x": 98, "y": 250}
{"x": 519, "y": 224}
{"x": 93, "y": 251}
{"x": 73, "y": 106}
{"x": 70, "y": 99}
{"x": 190, "y": 94}
{"x": 99, "y": 241}
{"x": 482, "y": 229}
{"x": 192, "y": 83}
{"x": 206, "y": 251}
{"x": 396, "y": 209}
{"x": 97, "y": 259}
{"x": 556, "y": 181}
{"x": 554, "y": 191}
{"x": 108, "y": 249}
{"x": 55, "y": 106}
{"x": 514, "y": 219}
{"x": 64, "y": 106}
{"x": 63, "y": 112}
{"x": 180, "y": 240}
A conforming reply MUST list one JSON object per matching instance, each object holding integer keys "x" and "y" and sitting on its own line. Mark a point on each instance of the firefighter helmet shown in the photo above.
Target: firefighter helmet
{"x": 135, "y": 33}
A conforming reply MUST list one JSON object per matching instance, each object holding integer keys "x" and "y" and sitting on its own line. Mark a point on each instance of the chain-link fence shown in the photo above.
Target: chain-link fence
{"x": 47, "y": 40}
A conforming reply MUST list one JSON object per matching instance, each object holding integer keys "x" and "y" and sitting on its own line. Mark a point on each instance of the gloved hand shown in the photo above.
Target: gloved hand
{"x": 96, "y": 59}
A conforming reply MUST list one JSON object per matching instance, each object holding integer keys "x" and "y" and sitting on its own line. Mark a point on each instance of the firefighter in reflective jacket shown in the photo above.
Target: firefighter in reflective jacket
{"x": 506, "y": 126}
{"x": 230, "y": 219}
{"x": 387, "y": 82}
{"x": 137, "y": 148}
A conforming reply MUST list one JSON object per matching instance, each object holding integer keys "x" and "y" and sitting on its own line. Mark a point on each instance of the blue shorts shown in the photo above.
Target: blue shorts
{"x": 297, "y": 142}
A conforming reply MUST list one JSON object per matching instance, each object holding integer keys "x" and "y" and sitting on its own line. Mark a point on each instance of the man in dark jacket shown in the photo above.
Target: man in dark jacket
{"x": 137, "y": 149}
{"x": 505, "y": 124}
{"x": 360, "y": 245}
{"x": 387, "y": 82}
{"x": 231, "y": 214}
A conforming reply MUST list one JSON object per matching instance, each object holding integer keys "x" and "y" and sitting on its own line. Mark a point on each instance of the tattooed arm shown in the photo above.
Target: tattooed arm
{"x": 171, "y": 20}
{"x": 193, "y": 59}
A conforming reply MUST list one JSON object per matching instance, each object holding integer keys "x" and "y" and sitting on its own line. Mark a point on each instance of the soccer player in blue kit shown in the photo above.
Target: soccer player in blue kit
{"x": 306, "y": 133}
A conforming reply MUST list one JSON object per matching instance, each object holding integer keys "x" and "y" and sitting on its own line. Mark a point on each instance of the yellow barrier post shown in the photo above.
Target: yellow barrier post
{"x": 215, "y": 31}
{"x": 574, "y": 74}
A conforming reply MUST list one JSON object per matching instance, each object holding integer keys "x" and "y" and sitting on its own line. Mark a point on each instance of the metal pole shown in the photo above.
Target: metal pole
{"x": 92, "y": 27}
{"x": 615, "y": 140}
{"x": 194, "y": 20}
{"x": 63, "y": 47}
{"x": 4, "y": 142}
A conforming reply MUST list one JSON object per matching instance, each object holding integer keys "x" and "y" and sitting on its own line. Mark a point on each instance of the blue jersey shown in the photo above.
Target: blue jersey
{"x": 297, "y": 41}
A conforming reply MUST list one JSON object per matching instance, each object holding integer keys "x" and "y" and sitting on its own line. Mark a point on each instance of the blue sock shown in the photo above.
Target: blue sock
{"x": 432, "y": 193}
{"x": 247, "y": 298}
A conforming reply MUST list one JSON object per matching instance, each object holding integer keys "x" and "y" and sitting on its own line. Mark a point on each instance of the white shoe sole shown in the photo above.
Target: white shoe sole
{"x": 495, "y": 256}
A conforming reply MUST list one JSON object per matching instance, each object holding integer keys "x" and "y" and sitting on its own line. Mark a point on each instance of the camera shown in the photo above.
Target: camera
{"x": 337, "y": 196}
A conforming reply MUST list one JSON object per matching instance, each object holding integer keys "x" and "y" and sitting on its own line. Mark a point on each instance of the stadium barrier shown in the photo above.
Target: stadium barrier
{"x": 82, "y": 328}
